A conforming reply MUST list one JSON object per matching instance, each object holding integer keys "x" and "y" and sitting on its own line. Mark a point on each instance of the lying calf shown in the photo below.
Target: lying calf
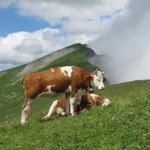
{"x": 88, "y": 100}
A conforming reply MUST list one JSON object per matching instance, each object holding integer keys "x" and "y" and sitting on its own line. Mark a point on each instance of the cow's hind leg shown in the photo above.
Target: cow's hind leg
{"x": 68, "y": 106}
{"x": 25, "y": 110}
{"x": 51, "y": 110}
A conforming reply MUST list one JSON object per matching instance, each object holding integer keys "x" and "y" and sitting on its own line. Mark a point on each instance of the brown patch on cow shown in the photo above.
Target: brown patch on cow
{"x": 37, "y": 83}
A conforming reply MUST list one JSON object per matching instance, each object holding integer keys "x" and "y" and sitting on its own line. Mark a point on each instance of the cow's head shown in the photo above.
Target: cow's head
{"x": 97, "y": 80}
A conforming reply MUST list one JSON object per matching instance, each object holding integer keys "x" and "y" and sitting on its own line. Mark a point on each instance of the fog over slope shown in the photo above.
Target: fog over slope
{"x": 124, "y": 51}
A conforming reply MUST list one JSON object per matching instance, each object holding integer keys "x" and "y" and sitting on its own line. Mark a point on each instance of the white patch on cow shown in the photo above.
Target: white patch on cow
{"x": 106, "y": 102}
{"x": 51, "y": 109}
{"x": 67, "y": 71}
{"x": 52, "y": 70}
{"x": 94, "y": 96}
{"x": 69, "y": 88}
{"x": 49, "y": 90}
{"x": 60, "y": 111}
{"x": 49, "y": 87}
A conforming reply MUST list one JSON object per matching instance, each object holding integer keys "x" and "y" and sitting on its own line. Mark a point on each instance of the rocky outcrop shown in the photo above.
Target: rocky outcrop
{"x": 92, "y": 57}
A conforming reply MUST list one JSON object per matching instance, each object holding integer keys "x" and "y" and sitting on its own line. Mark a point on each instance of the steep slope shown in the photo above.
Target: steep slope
{"x": 46, "y": 60}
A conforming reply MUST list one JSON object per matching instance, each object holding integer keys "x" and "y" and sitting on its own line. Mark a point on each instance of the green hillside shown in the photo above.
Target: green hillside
{"x": 125, "y": 124}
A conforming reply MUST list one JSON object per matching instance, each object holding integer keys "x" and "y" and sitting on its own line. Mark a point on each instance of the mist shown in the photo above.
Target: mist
{"x": 124, "y": 50}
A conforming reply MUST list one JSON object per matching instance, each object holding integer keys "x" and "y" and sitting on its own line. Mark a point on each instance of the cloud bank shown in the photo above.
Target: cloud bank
{"x": 124, "y": 51}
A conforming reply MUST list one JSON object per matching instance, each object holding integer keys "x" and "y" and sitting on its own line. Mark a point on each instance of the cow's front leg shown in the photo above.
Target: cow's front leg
{"x": 72, "y": 101}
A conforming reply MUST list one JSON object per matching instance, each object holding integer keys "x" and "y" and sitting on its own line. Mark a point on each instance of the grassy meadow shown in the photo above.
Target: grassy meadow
{"x": 125, "y": 124}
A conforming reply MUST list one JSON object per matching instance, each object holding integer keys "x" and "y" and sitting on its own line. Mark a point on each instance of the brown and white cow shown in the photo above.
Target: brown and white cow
{"x": 87, "y": 101}
{"x": 56, "y": 80}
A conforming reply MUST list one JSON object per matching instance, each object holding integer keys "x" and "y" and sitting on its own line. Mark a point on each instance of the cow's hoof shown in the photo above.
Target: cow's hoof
{"x": 84, "y": 110}
{"x": 23, "y": 123}
{"x": 63, "y": 114}
{"x": 73, "y": 114}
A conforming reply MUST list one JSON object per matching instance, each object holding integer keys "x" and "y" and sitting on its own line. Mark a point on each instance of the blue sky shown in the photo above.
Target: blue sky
{"x": 11, "y": 21}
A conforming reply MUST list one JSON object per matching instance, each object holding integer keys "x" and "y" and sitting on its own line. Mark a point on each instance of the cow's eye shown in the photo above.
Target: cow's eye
{"x": 98, "y": 80}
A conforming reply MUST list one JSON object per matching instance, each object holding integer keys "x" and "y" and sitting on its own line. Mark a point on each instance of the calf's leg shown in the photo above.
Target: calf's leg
{"x": 52, "y": 109}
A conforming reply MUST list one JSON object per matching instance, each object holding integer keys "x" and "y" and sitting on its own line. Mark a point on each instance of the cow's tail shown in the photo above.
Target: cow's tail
{"x": 23, "y": 78}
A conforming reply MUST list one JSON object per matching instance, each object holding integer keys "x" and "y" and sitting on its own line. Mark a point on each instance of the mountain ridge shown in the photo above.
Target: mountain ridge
{"x": 47, "y": 59}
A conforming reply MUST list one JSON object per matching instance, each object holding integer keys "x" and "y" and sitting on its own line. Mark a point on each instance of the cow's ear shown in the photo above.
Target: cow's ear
{"x": 98, "y": 70}
{"x": 96, "y": 73}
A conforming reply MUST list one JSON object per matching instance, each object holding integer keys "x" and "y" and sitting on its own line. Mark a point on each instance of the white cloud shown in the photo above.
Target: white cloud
{"x": 73, "y": 15}
{"x": 76, "y": 13}
{"x": 23, "y": 47}
{"x": 6, "y": 3}
{"x": 30, "y": 45}
{"x": 125, "y": 49}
